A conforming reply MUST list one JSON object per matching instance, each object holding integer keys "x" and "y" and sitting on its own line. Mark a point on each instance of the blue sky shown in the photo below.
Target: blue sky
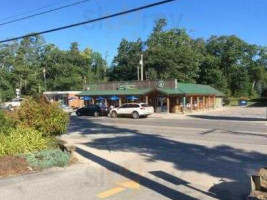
{"x": 201, "y": 18}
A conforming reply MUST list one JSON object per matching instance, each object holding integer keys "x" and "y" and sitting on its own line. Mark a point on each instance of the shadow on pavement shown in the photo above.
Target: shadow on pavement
{"x": 259, "y": 103}
{"x": 177, "y": 181}
{"x": 146, "y": 182}
{"x": 87, "y": 126}
{"x": 227, "y": 118}
{"x": 224, "y": 162}
{"x": 233, "y": 133}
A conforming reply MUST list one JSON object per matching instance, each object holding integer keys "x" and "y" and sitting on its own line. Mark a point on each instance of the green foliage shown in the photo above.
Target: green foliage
{"x": 125, "y": 63}
{"x": 226, "y": 62}
{"x": 172, "y": 54}
{"x": 168, "y": 53}
{"x": 21, "y": 140}
{"x": 5, "y": 123}
{"x": 43, "y": 116}
{"x": 22, "y": 64}
{"x": 48, "y": 158}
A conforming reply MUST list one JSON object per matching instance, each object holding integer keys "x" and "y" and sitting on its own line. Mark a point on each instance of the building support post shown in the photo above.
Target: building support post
{"x": 191, "y": 104}
{"x": 146, "y": 99}
{"x": 168, "y": 104}
{"x": 106, "y": 102}
{"x": 204, "y": 103}
{"x": 93, "y": 100}
{"x": 184, "y": 104}
{"x": 214, "y": 102}
{"x": 209, "y": 102}
{"x": 197, "y": 103}
{"x": 120, "y": 101}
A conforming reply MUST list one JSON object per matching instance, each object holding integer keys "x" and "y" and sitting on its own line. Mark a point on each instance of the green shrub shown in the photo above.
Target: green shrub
{"x": 22, "y": 140}
{"x": 48, "y": 158}
{"x": 42, "y": 116}
{"x": 5, "y": 122}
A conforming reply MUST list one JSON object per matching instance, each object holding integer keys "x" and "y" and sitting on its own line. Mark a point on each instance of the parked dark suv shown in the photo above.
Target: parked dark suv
{"x": 93, "y": 110}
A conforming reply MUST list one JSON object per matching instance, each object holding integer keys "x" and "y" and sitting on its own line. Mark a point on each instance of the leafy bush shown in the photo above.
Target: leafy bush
{"x": 22, "y": 140}
{"x": 5, "y": 122}
{"x": 48, "y": 158}
{"x": 42, "y": 116}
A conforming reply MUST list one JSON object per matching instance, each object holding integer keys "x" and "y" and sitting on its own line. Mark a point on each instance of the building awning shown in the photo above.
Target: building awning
{"x": 169, "y": 91}
{"x": 114, "y": 92}
{"x": 191, "y": 89}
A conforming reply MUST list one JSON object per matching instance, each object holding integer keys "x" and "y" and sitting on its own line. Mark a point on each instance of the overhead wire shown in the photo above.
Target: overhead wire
{"x": 44, "y": 12}
{"x": 33, "y": 10}
{"x": 90, "y": 21}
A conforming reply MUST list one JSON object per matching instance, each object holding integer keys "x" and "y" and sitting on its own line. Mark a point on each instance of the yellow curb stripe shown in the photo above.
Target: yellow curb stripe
{"x": 110, "y": 192}
{"x": 130, "y": 184}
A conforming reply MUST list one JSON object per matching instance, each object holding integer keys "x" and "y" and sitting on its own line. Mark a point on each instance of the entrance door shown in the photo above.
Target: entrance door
{"x": 161, "y": 104}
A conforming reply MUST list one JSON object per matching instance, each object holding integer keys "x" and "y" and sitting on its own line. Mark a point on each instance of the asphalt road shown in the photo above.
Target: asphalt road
{"x": 205, "y": 156}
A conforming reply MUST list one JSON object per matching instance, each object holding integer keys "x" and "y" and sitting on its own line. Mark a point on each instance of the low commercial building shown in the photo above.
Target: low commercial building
{"x": 165, "y": 96}
{"x": 65, "y": 98}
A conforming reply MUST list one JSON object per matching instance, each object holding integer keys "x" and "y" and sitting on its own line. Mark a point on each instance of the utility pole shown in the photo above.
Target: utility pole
{"x": 44, "y": 73}
{"x": 138, "y": 68}
{"x": 142, "y": 67}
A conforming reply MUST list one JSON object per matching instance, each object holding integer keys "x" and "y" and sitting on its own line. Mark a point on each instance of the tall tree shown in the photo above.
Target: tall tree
{"x": 172, "y": 54}
{"x": 126, "y": 62}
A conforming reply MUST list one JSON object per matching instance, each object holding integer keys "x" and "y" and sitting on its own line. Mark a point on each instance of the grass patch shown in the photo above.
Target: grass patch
{"x": 22, "y": 140}
{"x": 231, "y": 101}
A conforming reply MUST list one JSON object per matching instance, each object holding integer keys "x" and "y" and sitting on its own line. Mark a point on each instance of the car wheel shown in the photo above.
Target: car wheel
{"x": 113, "y": 114}
{"x": 135, "y": 115}
{"x": 96, "y": 114}
{"x": 78, "y": 113}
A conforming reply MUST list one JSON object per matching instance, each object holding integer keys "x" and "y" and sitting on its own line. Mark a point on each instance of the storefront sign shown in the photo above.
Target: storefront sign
{"x": 126, "y": 87}
{"x": 161, "y": 84}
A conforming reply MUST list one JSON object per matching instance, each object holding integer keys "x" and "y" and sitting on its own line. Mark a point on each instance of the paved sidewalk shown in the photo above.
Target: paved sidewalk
{"x": 233, "y": 113}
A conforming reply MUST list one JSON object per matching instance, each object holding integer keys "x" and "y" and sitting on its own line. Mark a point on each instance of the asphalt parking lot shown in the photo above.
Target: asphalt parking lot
{"x": 207, "y": 155}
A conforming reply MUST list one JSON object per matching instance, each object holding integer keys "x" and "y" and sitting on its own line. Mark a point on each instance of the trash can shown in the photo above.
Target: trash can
{"x": 242, "y": 102}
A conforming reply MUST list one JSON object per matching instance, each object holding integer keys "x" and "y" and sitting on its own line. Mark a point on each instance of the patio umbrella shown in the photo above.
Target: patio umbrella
{"x": 132, "y": 98}
{"x": 100, "y": 98}
{"x": 87, "y": 98}
{"x": 114, "y": 98}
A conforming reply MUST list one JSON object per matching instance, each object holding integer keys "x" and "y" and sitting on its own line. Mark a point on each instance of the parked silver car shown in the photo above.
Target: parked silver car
{"x": 67, "y": 109}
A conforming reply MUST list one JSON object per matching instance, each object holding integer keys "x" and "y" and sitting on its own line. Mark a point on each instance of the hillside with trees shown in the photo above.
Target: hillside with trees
{"x": 227, "y": 63}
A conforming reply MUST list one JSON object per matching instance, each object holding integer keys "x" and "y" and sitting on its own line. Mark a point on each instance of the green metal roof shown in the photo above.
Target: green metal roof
{"x": 191, "y": 88}
{"x": 114, "y": 92}
{"x": 182, "y": 89}
{"x": 170, "y": 91}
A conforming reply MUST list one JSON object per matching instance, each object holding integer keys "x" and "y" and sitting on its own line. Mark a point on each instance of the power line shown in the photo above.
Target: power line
{"x": 90, "y": 21}
{"x": 31, "y": 11}
{"x": 44, "y": 12}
